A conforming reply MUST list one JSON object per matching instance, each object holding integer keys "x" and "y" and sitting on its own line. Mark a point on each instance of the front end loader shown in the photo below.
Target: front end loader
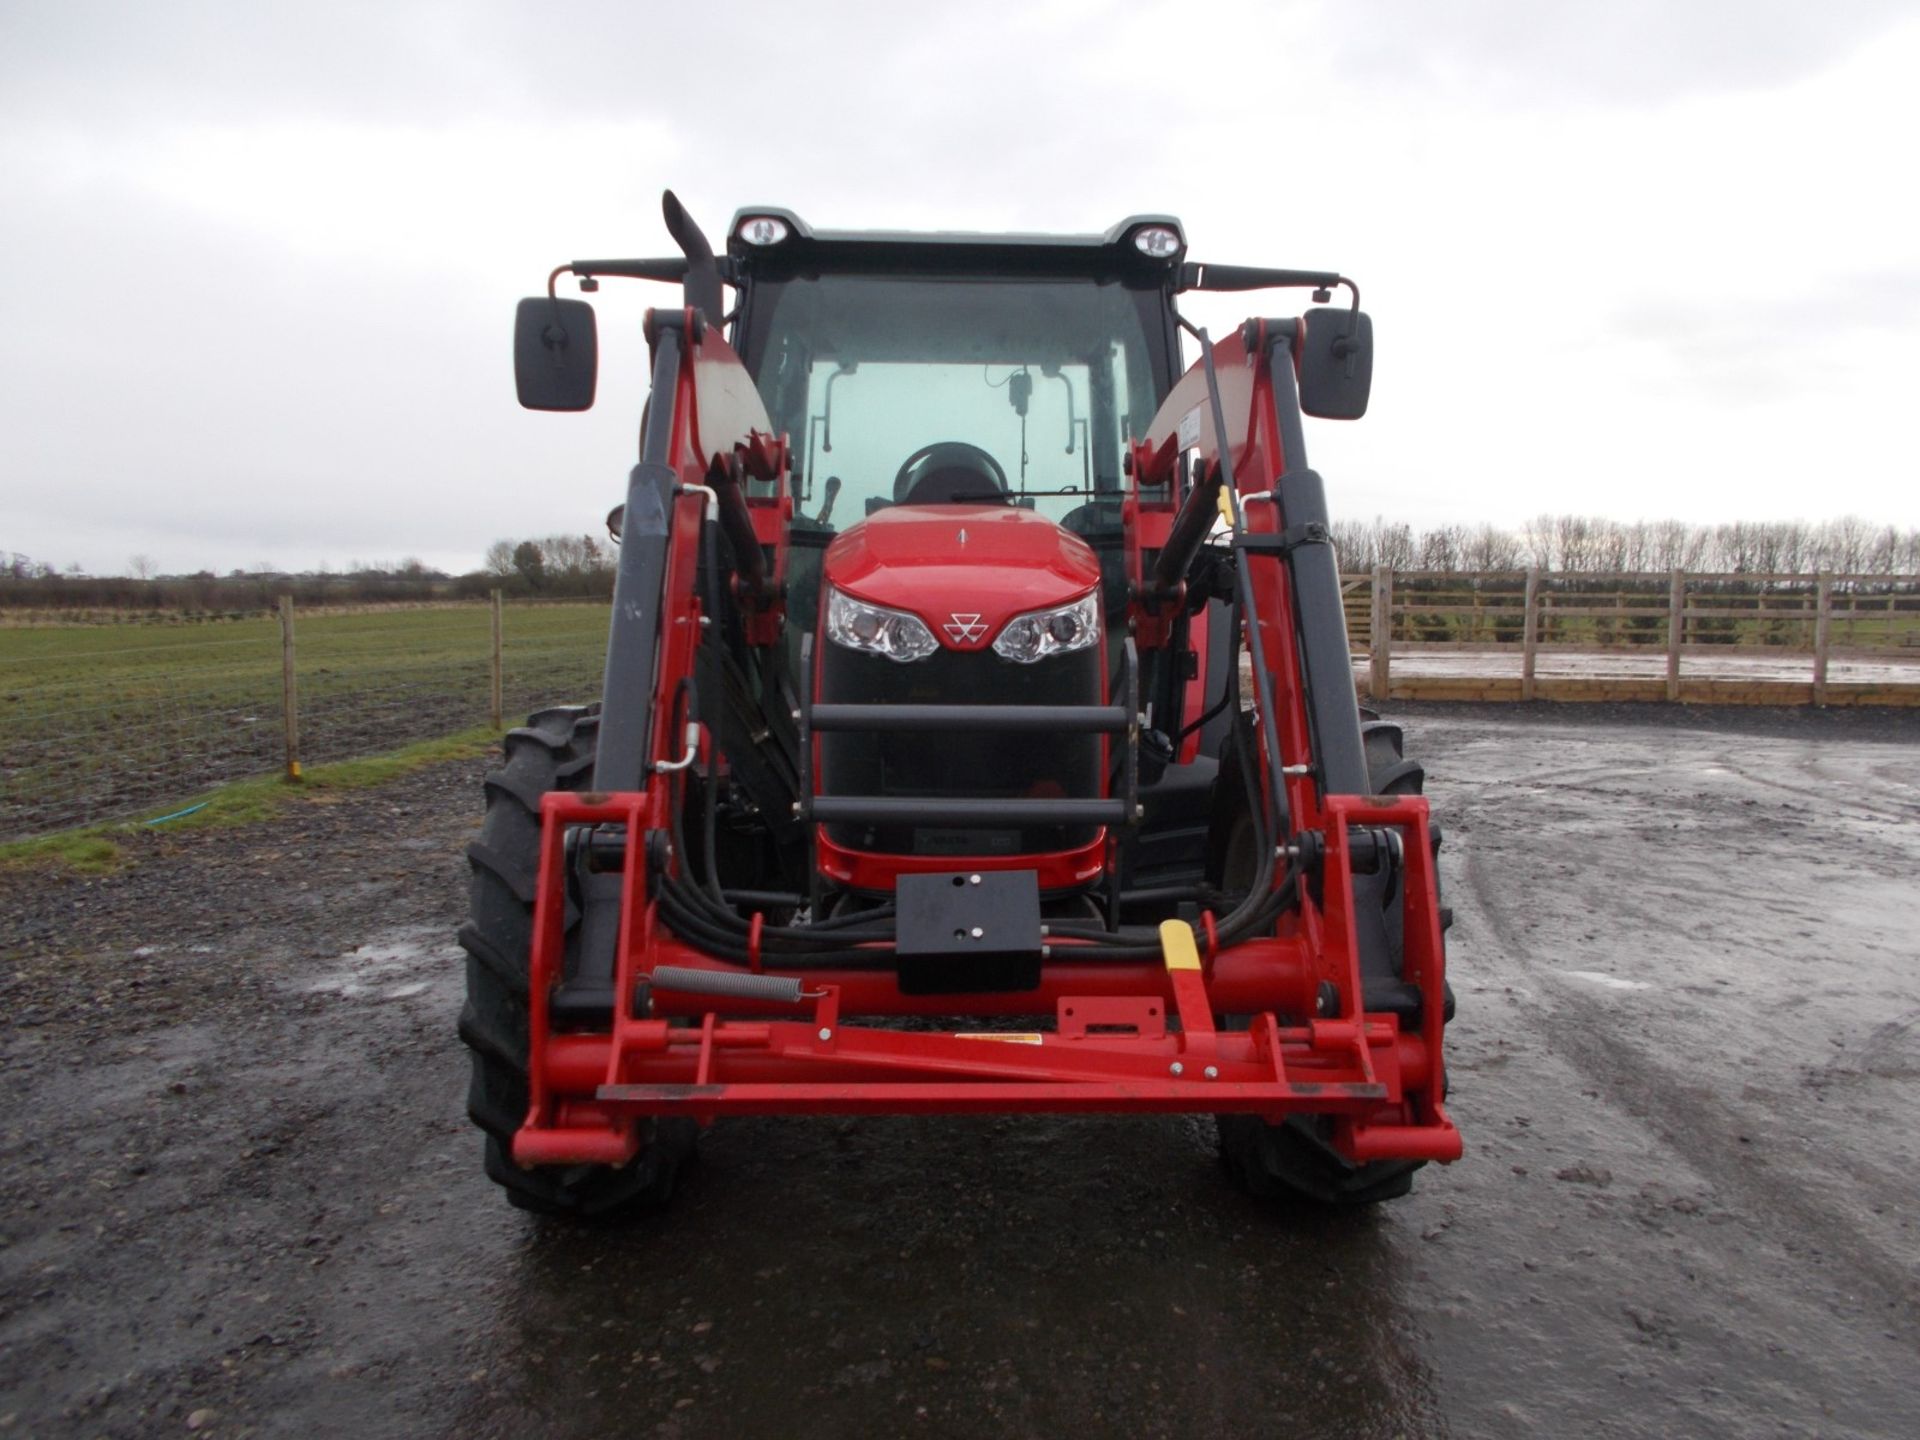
{"x": 978, "y": 729}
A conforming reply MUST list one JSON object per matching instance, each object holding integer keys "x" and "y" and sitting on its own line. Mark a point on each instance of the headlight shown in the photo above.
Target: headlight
{"x": 762, "y": 230}
{"x": 1028, "y": 638}
{"x": 1157, "y": 242}
{"x": 892, "y": 633}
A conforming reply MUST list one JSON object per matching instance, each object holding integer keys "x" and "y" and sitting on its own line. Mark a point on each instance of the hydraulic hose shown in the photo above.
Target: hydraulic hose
{"x": 700, "y": 911}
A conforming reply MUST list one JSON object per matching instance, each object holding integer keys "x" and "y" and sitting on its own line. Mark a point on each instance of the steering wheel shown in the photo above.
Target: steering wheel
{"x": 950, "y": 472}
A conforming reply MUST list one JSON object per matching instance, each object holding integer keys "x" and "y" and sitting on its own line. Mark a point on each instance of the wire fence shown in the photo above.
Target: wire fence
{"x": 110, "y": 721}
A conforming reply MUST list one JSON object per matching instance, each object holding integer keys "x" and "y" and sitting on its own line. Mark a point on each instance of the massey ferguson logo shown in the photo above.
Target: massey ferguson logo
{"x": 965, "y": 629}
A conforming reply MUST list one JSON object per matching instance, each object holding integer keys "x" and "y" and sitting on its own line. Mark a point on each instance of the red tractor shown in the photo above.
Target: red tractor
{"x": 967, "y": 660}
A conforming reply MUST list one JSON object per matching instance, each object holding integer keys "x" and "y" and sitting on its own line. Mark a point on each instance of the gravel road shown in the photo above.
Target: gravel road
{"x": 238, "y": 1195}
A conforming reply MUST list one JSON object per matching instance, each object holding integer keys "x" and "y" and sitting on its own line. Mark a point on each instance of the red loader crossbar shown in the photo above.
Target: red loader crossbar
{"x": 718, "y": 1038}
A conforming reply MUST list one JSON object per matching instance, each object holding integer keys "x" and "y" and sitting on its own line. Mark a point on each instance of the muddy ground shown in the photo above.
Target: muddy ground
{"x": 238, "y": 1195}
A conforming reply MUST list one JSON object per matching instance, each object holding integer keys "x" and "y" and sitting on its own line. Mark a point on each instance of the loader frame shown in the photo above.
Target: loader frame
{"x": 1306, "y": 1017}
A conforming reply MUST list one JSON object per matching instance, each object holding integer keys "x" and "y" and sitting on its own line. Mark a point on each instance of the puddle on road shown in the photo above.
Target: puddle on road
{"x": 395, "y": 966}
{"x": 1606, "y": 982}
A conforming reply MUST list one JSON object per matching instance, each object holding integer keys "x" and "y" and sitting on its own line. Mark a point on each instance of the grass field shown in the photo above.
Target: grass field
{"x": 109, "y": 720}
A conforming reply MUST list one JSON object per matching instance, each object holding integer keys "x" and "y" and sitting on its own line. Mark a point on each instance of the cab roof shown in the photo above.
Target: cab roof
{"x": 803, "y": 249}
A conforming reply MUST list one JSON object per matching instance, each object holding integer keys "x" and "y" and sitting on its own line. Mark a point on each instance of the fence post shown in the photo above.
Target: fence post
{"x": 1676, "y": 629}
{"x": 497, "y": 689}
{"x": 1380, "y": 642}
{"x": 289, "y": 692}
{"x": 1822, "y": 635}
{"x": 1530, "y": 637}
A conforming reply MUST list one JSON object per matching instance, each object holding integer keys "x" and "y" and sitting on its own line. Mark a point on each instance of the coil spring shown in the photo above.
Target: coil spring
{"x": 733, "y": 985}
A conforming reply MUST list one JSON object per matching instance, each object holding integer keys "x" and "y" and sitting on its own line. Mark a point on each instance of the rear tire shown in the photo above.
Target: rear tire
{"x": 553, "y": 751}
{"x": 1295, "y": 1160}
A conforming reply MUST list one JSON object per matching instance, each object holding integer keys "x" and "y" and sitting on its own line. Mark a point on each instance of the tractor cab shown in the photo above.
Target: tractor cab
{"x": 959, "y": 410}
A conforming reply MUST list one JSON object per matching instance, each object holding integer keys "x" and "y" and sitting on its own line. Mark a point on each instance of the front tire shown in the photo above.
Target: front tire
{"x": 553, "y": 751}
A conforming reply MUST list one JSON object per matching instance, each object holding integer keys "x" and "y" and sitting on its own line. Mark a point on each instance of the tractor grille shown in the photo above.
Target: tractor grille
{"x": 960, "y": 766}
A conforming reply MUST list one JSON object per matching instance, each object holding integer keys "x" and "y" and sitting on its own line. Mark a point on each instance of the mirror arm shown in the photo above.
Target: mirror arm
{"x": 1196, "y": 276}
{"x": 671, "y": 270}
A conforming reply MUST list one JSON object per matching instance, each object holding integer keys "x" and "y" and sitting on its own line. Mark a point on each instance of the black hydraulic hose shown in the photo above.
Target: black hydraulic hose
{"x": 708, "y": 902}
{"x": 1252, "y": 913}
{"x": 722, "y": 947}
{"x": 1164, "y": 894}
{"x": 695, "y": 903}
{"x": 1125, "y": 935}
{"x": 689, "y": 904}
{"x": 702, "y": 914}
{"x": 1109, "y": 954}
{"x": 721, "y": 914}
{"x": 696, "y": 930}
{"x": 710, "y": 821}
{"x": 847, "y": 922}
{"x": 764, "y": 899}
{"x": 713, "y": 916}
{"x": 1228, "y": 694}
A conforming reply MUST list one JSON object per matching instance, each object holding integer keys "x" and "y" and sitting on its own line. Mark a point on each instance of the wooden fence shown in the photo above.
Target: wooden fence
{"x": 1713, "y": 638}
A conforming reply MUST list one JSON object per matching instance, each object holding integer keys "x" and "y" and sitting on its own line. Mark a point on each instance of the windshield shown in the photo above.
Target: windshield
{"x": 979, "y": 385}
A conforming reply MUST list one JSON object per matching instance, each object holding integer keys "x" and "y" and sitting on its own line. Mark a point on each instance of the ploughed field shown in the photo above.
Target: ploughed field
{"x": 237, "y": 1191}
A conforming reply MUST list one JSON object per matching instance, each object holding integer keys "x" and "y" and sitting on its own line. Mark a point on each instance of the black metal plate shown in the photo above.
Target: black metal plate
{"x": 968, "y": 931}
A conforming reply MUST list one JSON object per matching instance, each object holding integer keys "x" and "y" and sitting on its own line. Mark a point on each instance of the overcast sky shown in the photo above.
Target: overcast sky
{"x": 1631, "y": 258}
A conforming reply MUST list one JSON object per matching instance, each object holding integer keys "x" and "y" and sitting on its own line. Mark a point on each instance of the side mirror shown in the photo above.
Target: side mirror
{"x": 1336, "y": 364}
{"x": 556, "y": 353}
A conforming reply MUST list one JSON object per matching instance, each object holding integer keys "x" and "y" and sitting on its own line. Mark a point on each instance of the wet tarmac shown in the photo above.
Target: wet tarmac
{"x": 238, "y": 1195}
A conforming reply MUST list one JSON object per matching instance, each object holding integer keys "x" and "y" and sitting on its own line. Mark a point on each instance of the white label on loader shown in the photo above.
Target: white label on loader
{"x": 1190, "y": 429}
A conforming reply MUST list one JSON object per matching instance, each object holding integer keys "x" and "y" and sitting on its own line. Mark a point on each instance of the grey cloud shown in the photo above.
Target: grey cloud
{"x": 1606, "y": 51}
{"x": 1813, "y": 343}
{"x": 1830, "y": 310}
{"x": 211, "y": 386}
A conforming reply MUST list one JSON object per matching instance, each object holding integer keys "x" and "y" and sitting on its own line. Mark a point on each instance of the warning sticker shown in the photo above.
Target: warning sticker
{"x": 1005, "y": 1037}
{"x": 1190, "y": 429}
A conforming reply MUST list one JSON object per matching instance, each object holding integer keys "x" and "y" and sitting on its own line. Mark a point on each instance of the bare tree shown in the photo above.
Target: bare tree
{"x": 1491, "y": 548}
{"x": 1394, "y": 544}
{"x": 1846, "y": 543}
{"x": 1439, "y": 549}
{"x": 1353, "y": 543}
{"x": 1539, "y": 537}
{"x": 140, "y": 567}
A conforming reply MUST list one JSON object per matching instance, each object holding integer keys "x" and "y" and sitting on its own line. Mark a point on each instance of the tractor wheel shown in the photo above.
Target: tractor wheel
{"x": 553, "y": 751}
{"x": 1295, "y": 1160}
